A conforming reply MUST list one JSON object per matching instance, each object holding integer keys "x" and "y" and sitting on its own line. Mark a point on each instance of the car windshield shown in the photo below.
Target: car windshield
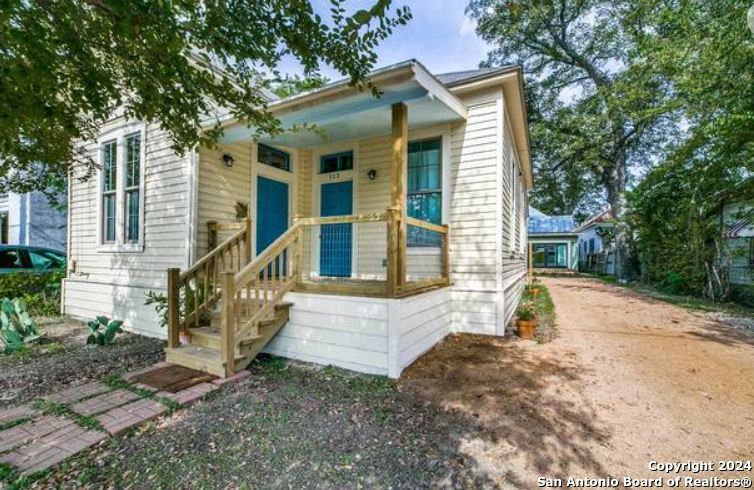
{"x": 45, "y": 259}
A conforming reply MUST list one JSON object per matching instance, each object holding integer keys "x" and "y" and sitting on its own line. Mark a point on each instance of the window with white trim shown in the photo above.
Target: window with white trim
{"x": 121, "y": 186}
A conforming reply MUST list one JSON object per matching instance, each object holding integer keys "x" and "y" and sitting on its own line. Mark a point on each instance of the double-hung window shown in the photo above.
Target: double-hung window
{"x": 133, "y": 191}
{"x": 424, "y": 190}
{"x": 121, "y": 188}
{"x": 109, "y": 191}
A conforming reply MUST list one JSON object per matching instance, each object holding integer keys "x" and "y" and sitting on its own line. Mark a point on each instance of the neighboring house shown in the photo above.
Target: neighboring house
{"x": 362, "y": 251}
{"x": 29, "y": 219}
{"x": 595, "y": 255}
{"x": 738, "y": 242}
{"x": 553, "y": 241}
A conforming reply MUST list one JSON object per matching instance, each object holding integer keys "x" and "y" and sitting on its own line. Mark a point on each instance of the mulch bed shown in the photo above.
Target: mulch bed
{"x": 63, "y": 359}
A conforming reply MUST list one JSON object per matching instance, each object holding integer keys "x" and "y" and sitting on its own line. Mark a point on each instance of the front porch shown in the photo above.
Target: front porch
{"x": 292, "y": 216}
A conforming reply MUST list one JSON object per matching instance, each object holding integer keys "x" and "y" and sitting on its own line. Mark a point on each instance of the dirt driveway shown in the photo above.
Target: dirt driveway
{"x": 630, "y": 380}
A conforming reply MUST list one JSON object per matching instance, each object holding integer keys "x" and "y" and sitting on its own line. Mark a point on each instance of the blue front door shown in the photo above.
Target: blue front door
{"x": 272, "y": 211}
{"x": 336, "y": 240}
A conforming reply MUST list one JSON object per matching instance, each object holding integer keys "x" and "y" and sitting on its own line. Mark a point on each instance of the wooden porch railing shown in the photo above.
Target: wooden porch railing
{"x": 252, "y": 294}
{"x": 199, "y": 286}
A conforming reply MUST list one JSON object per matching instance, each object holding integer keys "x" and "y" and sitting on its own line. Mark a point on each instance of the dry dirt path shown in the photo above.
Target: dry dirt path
{"x": 630, "y": 380}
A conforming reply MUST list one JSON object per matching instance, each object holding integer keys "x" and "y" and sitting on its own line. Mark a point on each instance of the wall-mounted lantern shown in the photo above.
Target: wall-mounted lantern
{"x": 372, "y": 174}
{"x": 228, "y": 160}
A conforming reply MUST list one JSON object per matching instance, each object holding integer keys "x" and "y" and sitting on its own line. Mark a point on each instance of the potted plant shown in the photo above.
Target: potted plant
{"x": 526, "y": 321}
{"x": 533, "y": 290}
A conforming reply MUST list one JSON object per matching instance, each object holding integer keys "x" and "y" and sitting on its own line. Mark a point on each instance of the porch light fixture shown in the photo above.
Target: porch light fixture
{"x": 228, "y": 160}
{"x": 372, "y": 174}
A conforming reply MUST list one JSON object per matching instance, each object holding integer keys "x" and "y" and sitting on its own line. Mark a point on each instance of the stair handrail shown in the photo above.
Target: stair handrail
{"x": 263, "y": 290}
{"x": 205, "y": 274}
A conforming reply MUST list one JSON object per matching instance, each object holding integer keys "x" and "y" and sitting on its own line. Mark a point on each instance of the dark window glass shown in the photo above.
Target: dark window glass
{"x": 338, "y": 162}
{"x": 424, "y": 190}
{"x": 4, "y": 228}
{"x": 109, "y": 189}
{"x": 11, "y": 259}
{"x": 133, "y": 179}
{"x": 274, "y": 157}
{"x": 751, "y": 252}
{"x": 551, "y": 256}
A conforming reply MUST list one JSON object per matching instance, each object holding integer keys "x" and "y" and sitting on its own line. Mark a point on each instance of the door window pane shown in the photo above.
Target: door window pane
{"x": 274, "y": 157}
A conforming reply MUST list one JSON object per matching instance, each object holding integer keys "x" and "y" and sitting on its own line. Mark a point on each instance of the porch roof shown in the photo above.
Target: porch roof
{"x": 344, "y": 112}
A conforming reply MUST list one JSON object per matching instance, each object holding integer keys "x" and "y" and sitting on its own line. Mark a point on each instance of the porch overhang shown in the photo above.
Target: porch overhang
{"x": 341, "y": 112}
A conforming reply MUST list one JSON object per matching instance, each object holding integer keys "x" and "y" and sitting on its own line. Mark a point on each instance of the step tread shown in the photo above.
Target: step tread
{"x": 205, "y": 354}
{"x": 214, "y": 333}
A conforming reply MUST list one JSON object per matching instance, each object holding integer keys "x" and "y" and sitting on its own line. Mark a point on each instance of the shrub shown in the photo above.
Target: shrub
{"x": 187, "y": 299}
{"x": 17, "y": 329}
{"x": 105, "y": 337}
{"x": 40, "y": 292}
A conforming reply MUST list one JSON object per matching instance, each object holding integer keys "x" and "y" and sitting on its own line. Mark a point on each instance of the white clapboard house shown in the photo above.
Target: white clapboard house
{"x": 361, "y": 245}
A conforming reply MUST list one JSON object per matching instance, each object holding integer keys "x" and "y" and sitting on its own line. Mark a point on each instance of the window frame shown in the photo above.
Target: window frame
{"x": 288, "y": 159}
{"x": 440, "y": 138}
{"x": 121, "y": 243}
{"x": 337, "y": 155}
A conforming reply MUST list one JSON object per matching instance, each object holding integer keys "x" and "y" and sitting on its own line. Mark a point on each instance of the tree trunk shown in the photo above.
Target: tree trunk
{"x": 615, "y": 184}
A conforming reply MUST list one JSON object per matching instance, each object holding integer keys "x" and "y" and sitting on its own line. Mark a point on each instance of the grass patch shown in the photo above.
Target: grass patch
{"x": 13, "y": 423}
{"x": 539, "y": 297}
{"x": 63, "y": 410}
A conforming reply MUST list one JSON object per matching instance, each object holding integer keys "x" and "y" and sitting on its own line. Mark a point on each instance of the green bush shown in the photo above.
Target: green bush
{"x": 17, "y": 329}
{"x": 40, "y": 292}
{"x": 105, "y": 337}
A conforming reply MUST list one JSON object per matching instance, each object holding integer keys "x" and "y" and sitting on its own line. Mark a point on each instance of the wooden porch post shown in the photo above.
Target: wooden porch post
{"x": 298, "y": 269}
{"x": 228, "y": 327}
{"x": 398, "y": 194}
{"x": 173, "y": 318}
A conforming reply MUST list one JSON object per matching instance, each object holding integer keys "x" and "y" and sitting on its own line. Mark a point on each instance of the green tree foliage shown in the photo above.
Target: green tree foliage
{"x": 288, "y": 85}
{"x": 706, "y": 52}
{"x": 599, "y": 105}
{"x": 65, "y": 66}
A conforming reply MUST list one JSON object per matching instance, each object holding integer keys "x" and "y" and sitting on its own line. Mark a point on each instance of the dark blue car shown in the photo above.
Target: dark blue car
{"x": 22, "y": 258}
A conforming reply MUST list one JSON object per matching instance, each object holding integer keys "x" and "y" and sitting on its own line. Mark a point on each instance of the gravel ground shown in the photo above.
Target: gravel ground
{"x": 64, "y": 359}
{"x": 290, "y": 426}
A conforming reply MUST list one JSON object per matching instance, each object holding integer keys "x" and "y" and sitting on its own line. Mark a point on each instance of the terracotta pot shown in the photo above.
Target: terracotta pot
{"x": 525, "y": 329}
{"x": 534, "y": 292}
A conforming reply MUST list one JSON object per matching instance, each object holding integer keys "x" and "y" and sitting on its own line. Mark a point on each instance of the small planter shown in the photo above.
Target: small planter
{"x": 534, "y": 292}
{"x": 525, "y": 329}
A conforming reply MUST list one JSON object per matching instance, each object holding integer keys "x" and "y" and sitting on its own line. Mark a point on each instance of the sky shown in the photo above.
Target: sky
{"x": 439, "y": 35}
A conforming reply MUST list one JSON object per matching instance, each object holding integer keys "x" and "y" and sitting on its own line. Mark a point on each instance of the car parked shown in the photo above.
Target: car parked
{"x": 22, "y": 258}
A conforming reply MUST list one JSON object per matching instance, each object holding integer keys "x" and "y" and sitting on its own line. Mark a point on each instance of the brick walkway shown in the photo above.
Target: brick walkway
{"x": 41, "y": 434}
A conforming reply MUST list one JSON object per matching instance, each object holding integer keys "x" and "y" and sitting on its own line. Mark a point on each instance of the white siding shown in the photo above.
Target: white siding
{"x": 114, "y": 283}
{"x": 424, "y": 320}
{"x": 474, "y": 243}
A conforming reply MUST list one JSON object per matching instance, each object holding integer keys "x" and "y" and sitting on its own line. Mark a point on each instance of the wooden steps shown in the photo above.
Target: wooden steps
{"x": 203, "y": 351}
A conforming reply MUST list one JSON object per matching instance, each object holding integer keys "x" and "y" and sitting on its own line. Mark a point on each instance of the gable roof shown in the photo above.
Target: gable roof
{"x": 595, "y": 220}
{"x": 458, "y": 77}
{"x": 543, "y": 224}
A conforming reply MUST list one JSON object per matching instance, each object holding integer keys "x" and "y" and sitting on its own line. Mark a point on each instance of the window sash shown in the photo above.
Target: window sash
{"x": 424, "y": 190}
{"x": 336, "y": 162}
{"x": 273, "y": 157}
{"x": 108, "y": 216}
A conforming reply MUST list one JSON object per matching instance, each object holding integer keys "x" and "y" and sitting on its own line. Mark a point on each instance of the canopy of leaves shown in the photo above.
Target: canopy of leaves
{"x": 705, "y": 52}
{"x": 595, "y": 106}
{"x": 292, "y": 85}
{"x": 65, "y": 67}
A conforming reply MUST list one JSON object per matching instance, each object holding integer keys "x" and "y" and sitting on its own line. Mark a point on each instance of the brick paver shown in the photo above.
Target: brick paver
{"x": 21, "y": 434}
{"x": 78, "y": 393}
{"x": 241, "y": 375}
{"x": 123, "y": 418}
{"x": 104, "y": 402}
{"x": 51, "y": 449}
{"x": 37, "y": 445}
{"x": 19, "y": 412}
{"x": 189, "y": 395}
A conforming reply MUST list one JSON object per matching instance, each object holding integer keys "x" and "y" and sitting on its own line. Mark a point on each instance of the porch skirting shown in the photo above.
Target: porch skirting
{"x": 370, "y": 335}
